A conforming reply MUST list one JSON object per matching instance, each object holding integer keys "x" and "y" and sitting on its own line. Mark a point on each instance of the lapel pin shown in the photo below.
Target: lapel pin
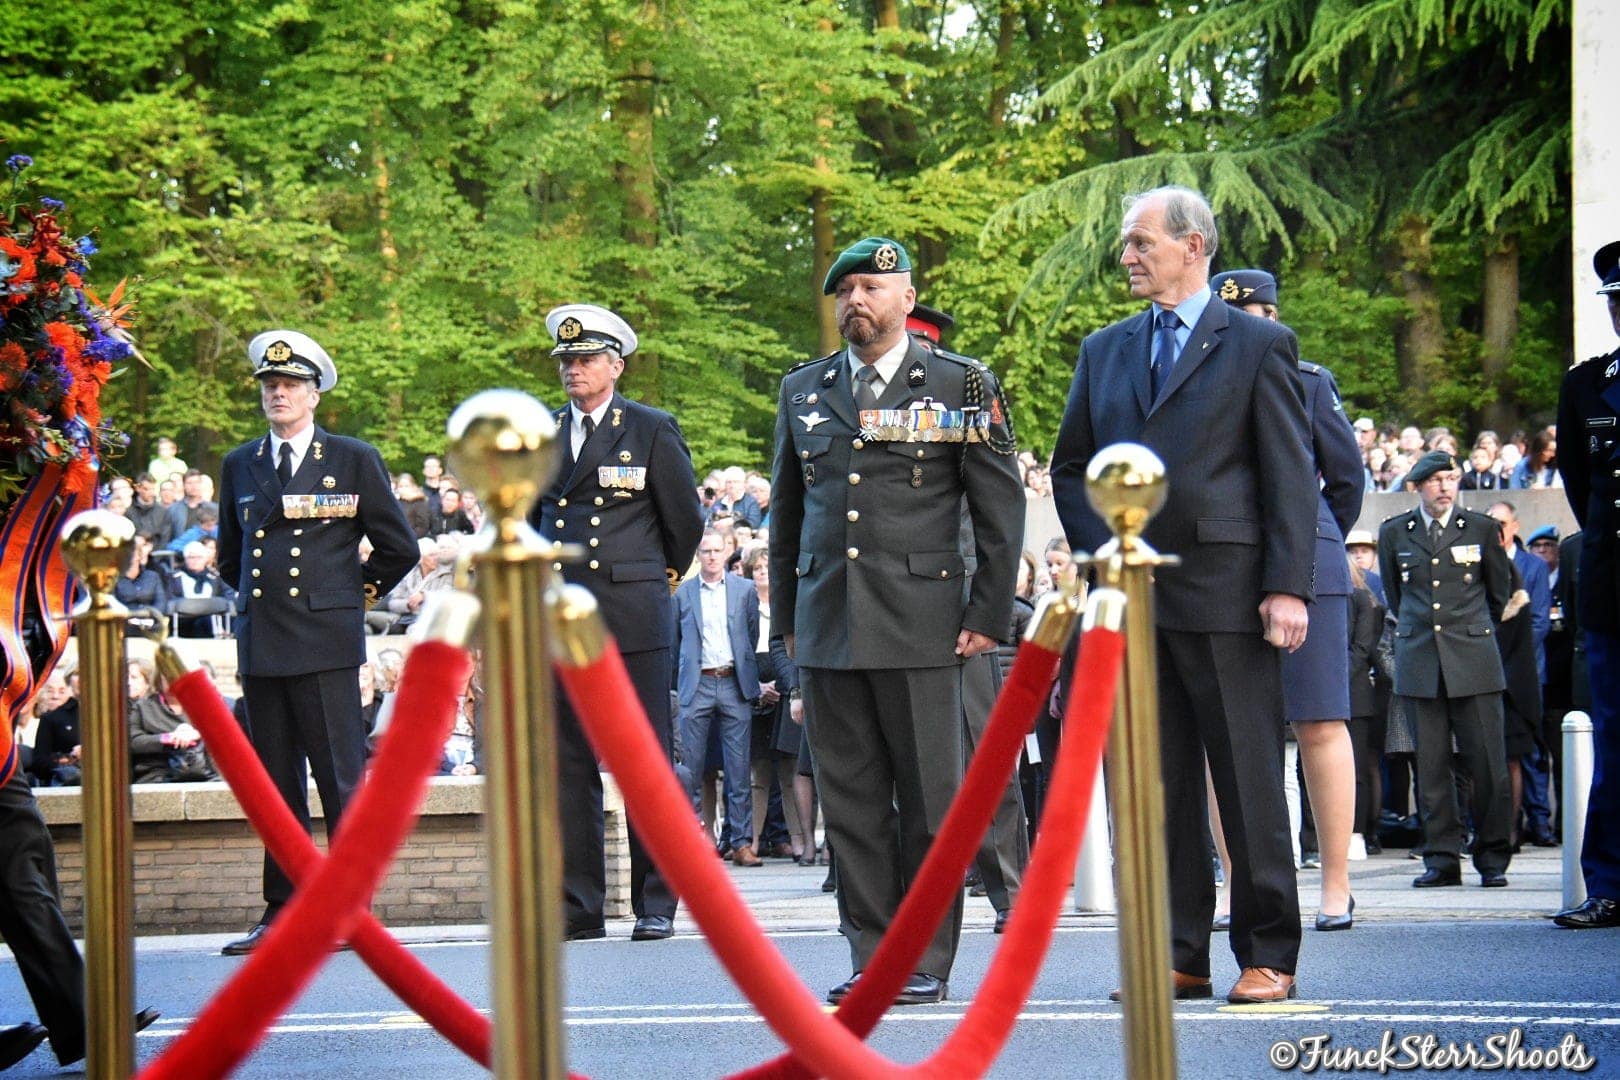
{"x": 618, "y": 415}
{"x": 328, "y": 482}
{"x": 810, "y": 420}
{"x": 624, "y": 455}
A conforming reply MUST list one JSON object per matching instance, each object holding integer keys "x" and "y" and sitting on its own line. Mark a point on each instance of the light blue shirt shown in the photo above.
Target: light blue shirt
{"x": 716, "y": 648}
{"x": 1189, "y": 311}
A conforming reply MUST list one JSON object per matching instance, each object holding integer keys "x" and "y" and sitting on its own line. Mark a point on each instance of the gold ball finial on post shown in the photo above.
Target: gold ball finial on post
{"x": 97, "y": 545}
{"x": 503, "y": 444}
{"x": 1125, "y": 483}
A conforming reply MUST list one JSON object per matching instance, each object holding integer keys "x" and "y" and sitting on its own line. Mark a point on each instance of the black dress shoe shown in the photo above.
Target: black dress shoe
{"x": 841, "y": 991}
{"x": 247, "y": 942}
{"x": 1001, "y": 921}
{"x": 1434, "y": 879}
{"x": 1493, "y": 880}
{"x": 1595, "y": 914}
{"x": 589, "y": 933}
{"x": 1338, "y": 922}
{"x": 653, "y": 928}
{"x": 18, "y": 1041}
{"x": 922, "y": 989}
{"x": 143, "y": 1020}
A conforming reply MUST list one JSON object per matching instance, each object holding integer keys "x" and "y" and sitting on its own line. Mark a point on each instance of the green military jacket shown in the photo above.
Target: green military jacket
{"x": 1446, "y": 601}
{"x": 871, "y": 564}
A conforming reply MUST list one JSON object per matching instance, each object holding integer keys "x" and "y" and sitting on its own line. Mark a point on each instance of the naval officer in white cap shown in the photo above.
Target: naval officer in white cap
{"x": 294, "y": 504}
{"x": 624, "y": 491}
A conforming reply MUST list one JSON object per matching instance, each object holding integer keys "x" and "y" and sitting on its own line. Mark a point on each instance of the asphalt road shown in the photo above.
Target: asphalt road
{"x": 665, "y": 1009}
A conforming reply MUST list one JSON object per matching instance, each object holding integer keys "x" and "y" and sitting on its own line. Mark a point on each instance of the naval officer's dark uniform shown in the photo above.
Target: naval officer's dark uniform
{"x": 1447, "y": 598}
{"x": 1589, "y": 462}
{"x": 631, "y": 501}
{"x": 293, "y": 556}
{"x": 868, "y": 573}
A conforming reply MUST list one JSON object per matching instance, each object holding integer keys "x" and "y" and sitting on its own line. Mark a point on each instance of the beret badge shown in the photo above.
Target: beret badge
{"x": 886, "y": 258}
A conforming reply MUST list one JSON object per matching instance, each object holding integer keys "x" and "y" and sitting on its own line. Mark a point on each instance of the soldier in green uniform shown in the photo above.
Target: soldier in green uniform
{"x": 1448, "y": 580}
{"x": 882, "y": 450}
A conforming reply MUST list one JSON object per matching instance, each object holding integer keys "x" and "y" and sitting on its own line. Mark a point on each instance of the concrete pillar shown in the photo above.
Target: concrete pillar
{"x": 1596, "y": 157}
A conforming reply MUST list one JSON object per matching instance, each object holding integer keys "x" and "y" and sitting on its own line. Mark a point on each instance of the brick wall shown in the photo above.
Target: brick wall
{"x": 198, "y": 862}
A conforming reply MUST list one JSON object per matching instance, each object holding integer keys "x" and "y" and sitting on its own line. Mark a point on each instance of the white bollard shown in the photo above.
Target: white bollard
{"x": 1094, "y": 871}
{"x": 1577, "y": 786}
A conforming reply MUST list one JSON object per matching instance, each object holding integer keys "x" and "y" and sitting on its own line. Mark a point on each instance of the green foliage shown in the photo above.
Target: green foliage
{"x": 416, "y": 182}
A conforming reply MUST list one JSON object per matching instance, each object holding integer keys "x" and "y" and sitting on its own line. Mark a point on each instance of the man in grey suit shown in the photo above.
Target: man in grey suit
{"x": 717, "y": 678}
{"x": 1448, "y": 580}
{"x": 1215, "y": 392}
{"x": 881, "y": 449}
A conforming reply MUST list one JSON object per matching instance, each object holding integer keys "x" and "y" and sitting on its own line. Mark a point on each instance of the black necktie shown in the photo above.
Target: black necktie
{"x": 865, "y": 395}
{"x": 1434, "y": 535}
{"x": 284, "y": 467}
{"x": 1164, "y": 349}
{"x": 590, "y": 427}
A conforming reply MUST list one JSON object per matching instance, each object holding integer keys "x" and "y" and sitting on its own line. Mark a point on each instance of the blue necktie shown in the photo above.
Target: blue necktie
{"x": 1164, "y": 349}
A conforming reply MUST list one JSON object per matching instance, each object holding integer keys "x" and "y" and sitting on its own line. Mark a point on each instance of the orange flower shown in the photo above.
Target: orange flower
{"x": 12, "y": 357}
{"x": 67, "y": 339}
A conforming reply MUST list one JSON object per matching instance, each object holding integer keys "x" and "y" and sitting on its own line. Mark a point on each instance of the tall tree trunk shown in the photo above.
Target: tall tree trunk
{"x": 1421, "y": 335}
{"x": 387, "y": 249}
{"x": 1501, "y": 328}
{"x": 891, "y": 127}
{"x": 636, "y": 177}
{"x": 823, "y": 235}
{"x": 1000, "y": 77}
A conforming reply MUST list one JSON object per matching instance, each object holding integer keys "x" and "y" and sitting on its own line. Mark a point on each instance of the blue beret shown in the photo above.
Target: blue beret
{"x": 1239, "y": 287}
{"x": 874, "y": 255}
{"x": 1607, "y": 264}
{"x": 1429, "y": 464}
{"x": 1546, "y": 532}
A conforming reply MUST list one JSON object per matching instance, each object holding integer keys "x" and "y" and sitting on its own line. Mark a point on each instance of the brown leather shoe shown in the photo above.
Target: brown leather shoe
{"x": 1183, "y": 987}
{"x": 1257, "y": 985}
{"x": 743, "y": 855}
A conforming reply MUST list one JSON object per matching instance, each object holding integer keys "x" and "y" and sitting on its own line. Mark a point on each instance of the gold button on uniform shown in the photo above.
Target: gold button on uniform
{"x": 854, "y": 477}
{"x": 293, "y": 591}
{"x": 595, "y": 542}
{"x": 919, "y": 453}
{"x": 858, "y": 445}
{"x": 298, "y": 532}
{"x": 557, "y": 566}
{"x": 293, "y": 572}
{"x": 258, "y": 592}
{"x": 258, "y": 553}
{"x": 1437, "y": 607}
{"x": 562, "y": 502}
{"x": 258, "y": 534}
{"x": 295, "y": 553}
{"x": 255, "y": 571}
{"x": 595, "y": 565}
{"x": 944, "y": 573}
{"x": 598, "y": 500}
{"x": 596, "y": 521}
{"x": 804, "y": 454}
{"x": 853, "y": 553}
{"x": 1436, "y": 562}
{"x": 561, "y": 523}
{"x": 1437, "y": 584}
{"x": 854, "y": 515}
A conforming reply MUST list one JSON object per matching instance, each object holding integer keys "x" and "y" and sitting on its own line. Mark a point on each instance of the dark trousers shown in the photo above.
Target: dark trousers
{"x": 1004, "y": 852}
{"x": 719, "y": 705}
{"x": 1367, "y": 744}
{"x": 1476, "y": 724}
{"x": 580, "y": 786}
{"x": 1600, "y": 849}
{"x": 1220, "y": 696}
{"x": 31, "y": 920}
{"x": 887, "y": 747}
{"x": 314, "y": 718}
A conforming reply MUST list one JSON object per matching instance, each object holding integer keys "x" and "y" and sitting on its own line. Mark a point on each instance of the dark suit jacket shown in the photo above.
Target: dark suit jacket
{"x": 1589, "y": 462}
{"x": 1366, "y": 624}
{"x": 1338, "y": 462}
{"x": 639, "y": 540}
{"x": 1447, "y": 629}
{"x": 742, "y": 630}
{"x": 300, "y": 584}
{"x": 1230, "y": 429}
{"x": 867, "y": 563}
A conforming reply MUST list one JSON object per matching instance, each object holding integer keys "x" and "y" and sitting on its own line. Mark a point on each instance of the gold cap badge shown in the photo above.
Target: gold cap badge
{"x": 1229, "y": 290}
{"x": 569, "y": 329}
{"x": 278, "y": 353}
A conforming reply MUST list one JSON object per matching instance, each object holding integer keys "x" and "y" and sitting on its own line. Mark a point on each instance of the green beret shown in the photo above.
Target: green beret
{"x": 1429, "y": 464}
{"x": 874, "y": 255}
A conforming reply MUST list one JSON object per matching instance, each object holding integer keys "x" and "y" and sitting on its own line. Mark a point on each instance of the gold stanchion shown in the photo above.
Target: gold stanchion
{"x": 96, "y": 544}
{"x": 1126, "y": 485}
{"x": 503, "y": 444}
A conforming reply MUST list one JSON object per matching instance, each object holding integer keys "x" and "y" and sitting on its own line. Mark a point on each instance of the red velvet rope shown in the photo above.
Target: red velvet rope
{"x": 330, "y": 902}
{"x": 606, "y": 702}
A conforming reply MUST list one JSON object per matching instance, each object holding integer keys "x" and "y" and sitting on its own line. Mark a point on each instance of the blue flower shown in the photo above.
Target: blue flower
{"x": 87, "y": 246}
{"x": 51, "y": 204}
{"x": 18, "y": 162}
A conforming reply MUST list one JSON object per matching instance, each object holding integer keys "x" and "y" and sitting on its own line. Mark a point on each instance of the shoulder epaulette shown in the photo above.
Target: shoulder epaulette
{"x": 813, "y": 363}
{"x": 1392, "y": 517}
{"x": 1310, "y": 368}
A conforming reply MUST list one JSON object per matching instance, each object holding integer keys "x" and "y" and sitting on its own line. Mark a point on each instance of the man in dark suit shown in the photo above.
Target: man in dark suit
{"x": 295, "y": 504}
{"x": 625, "y": 491}
{"x": 1588, "y": 415}
{"x": 1215, "y": 393}
{"x": 880, "y": 451}
{"x": 717, "y": 676}
{"x": 1449, "y": 580}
